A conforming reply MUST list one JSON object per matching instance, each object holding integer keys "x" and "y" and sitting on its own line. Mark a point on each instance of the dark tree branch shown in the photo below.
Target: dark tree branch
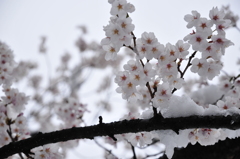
{"x": 121, "y": 127}
{"x": 227, "y": 149}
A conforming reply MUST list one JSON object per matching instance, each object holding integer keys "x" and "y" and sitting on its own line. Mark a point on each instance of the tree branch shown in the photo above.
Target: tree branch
{"x": 226, "y": 149}
{"x": 121, "y": 127}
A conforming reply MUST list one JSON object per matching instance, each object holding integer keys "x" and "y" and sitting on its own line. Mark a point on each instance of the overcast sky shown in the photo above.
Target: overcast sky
{"x": 23, "y": 22}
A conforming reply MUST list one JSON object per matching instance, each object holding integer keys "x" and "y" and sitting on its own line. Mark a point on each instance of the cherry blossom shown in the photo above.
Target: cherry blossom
{"x": 221, "y": 42}
{"x": 204, "y": 25}
{"x": 118, "y": 8}
{"x": 182, "y": 48}
{"x": 215, "y": 14}
{"x": 111, "y": 52}
{"x": 192, "y": 19}
{"x": 230, "y": 15}
{"x": 47, "y": 152}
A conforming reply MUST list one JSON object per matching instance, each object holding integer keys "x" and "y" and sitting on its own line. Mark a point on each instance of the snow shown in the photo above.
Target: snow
{"x": 182, "y": 106}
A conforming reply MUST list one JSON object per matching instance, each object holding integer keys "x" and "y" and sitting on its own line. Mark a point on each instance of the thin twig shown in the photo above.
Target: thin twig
{"x": 234, "y": 78}
{"x": 134, "y": 153}
{"x": 10, "y": 135}
{"x": 178, "y": 66}
{"x": 237, "y": 28}
{"x": 134, "y": 39}
{"x": 188, "y": 64}
{"x": 109, "y": 151}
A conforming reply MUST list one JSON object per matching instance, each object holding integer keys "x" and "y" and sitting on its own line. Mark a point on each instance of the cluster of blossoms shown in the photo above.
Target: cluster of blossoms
{"x": 231, "y": 91}
{"x": 230, "y": 15}
{"x": 165, "y": 74}
{"x": 162, "y": 73}
{"x": 13, "y": 125}
{"x": 134, "y": 75}
{"x": 153, "y": 76}
{"x": 7, "y": 64}
{"x": 47, "y": 152}
{"x": 119, "y": 30}
{"x": 69, "y": 111}
{"x": 211, "y": 43}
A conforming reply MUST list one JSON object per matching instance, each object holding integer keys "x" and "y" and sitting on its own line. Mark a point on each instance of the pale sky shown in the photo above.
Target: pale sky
{"x": 23, "y": 22}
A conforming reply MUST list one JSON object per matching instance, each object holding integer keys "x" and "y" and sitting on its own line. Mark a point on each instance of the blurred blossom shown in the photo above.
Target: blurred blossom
{"x": 42, "y": 46}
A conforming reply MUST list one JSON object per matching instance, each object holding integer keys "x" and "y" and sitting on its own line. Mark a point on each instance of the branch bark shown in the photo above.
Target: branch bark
{"x": 121, "y": 127}
{"x": 227, "y": 149}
